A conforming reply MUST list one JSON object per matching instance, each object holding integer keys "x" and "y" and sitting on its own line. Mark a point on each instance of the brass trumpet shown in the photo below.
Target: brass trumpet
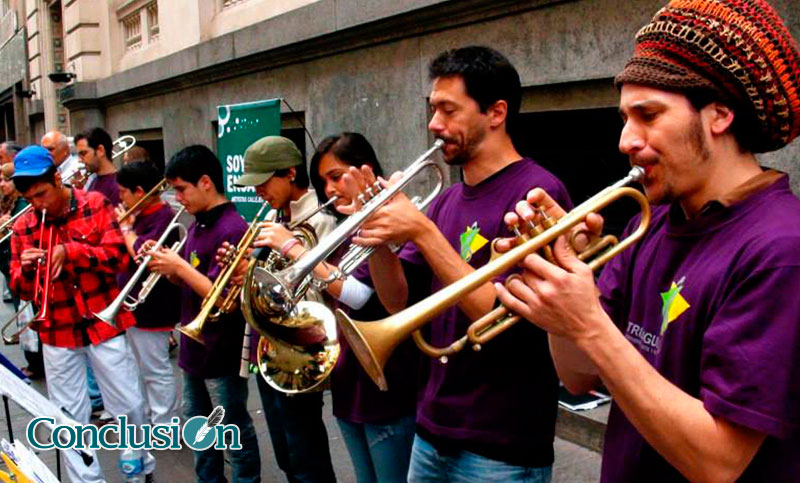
{"x": 373, "y": 342}
{"x": 214, "y": 298}
{"x": 156, "y": 190}
{"x": 125, "y": 299}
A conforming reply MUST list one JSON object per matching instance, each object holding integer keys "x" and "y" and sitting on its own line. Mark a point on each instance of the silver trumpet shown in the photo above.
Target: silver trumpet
{"x": 12, "y": 322}
{"x": 130, "y": 302}
{"x": 279, "y": 292}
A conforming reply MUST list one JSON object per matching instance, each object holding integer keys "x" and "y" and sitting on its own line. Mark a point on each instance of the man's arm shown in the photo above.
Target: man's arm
{"x": 399, "y": 221}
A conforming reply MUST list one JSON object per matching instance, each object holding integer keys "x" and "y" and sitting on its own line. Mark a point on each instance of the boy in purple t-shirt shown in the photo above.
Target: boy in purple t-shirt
{"x": 695, "y": 329}
{"x": 210, "y": 370}
{"x": 474, "y": 418}
{"x": 158, "y": 313}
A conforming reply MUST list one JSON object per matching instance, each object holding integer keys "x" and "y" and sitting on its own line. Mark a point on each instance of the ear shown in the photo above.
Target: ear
{"x": 205, "y": 183}
{"x": 497, "y": 113}
{"x": 292, "y": 174}
{"x": 720, "y": 117}
{"x": 139, "y": 191}
{"x": 101, "y": 151}
{"x": 57, "y": 180}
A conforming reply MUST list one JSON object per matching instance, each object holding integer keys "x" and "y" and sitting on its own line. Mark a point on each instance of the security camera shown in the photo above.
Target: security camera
{"x": 62, "y": 77}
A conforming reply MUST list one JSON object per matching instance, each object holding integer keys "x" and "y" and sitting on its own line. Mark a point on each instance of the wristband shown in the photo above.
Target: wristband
{"x": 288, "y": 245}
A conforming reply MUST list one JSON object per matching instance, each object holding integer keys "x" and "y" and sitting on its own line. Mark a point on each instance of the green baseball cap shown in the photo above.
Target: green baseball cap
{"x": 266, "y": 156}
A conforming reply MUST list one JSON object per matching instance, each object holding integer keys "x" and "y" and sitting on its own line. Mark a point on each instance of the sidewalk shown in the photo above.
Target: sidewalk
{"x": 573, "y": 463}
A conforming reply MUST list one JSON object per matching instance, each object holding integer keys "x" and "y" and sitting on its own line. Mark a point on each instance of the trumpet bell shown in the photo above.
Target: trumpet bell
{"x": 109, "y": 314}
{"x": 372, "y": 349}
{"x": 297, "y": 353}
{"x": 194, "y": 331}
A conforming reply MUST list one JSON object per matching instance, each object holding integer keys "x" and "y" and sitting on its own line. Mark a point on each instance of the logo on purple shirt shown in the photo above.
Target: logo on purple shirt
{"x": 673, "y": 304}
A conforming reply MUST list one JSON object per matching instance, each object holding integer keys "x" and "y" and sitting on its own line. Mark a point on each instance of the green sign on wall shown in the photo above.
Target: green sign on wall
{"x": 240, "y": 125}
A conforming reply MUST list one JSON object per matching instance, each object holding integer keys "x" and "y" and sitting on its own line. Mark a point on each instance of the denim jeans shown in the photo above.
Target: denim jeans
{"x": 428, "y": 465}
{"x": 94, "y": 390}
{"x": 200, "y": 396}
{"x": 298, "y": 434}
{"x": 380, "y": 452}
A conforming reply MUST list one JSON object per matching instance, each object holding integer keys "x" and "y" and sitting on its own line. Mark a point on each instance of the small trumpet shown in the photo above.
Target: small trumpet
{"x": 373, "y": 342}
{"x": 125, "y": 299}
{"x": 14, "y": 338}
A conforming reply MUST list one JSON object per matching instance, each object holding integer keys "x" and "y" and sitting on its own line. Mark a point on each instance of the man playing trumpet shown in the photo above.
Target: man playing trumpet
{"x": 694, "y": 330}
{"x": 87, "y": 252}
{"x": 157, "y": 315}
{"x": 488, "y": 414}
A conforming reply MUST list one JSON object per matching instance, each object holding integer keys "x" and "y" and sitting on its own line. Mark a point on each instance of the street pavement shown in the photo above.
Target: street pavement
{"x": 573, "y": 463}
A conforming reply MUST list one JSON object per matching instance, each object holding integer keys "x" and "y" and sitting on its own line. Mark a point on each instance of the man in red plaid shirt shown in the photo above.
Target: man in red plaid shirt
{"x": 87, "y": 252}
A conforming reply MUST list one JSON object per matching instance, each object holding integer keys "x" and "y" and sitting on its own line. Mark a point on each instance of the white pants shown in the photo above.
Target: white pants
{"x": 115, "y": 369}
{"x": 151, "y": 349}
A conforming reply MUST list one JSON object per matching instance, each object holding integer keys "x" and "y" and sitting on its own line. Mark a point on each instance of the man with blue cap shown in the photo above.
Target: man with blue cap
{"x": 87, "y": 251}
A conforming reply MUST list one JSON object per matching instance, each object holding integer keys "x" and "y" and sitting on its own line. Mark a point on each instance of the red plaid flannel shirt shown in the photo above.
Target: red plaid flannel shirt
{"x": 95, "y": 252}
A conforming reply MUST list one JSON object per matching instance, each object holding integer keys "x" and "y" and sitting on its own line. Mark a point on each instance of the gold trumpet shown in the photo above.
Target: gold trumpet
{"x": 156, "y": 190}
{"x": 373, "y": 342}
{"x": 214, "y": 298}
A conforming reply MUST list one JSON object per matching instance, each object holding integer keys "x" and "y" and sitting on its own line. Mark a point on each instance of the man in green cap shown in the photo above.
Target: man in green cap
{"x": 277, "y": 169}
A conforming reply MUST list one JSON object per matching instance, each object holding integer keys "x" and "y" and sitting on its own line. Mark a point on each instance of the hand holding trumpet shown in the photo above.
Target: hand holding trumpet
{"x": 31, "y": 257}
{"x": 557, "y": 294}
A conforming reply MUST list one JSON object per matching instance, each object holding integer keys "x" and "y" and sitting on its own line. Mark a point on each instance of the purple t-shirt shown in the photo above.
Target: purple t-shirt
{"x": 159, "y": 310}
{"x": 355, "y": 397}
{"x": 223, "y": 338}
{"x": 500, "y": 402}
{"x": 712, "y": 304}
{"x": 106, "y": 184}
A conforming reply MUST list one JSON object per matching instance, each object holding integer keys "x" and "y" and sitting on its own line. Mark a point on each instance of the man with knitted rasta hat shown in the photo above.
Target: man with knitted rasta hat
{"x": 695, "y": 329}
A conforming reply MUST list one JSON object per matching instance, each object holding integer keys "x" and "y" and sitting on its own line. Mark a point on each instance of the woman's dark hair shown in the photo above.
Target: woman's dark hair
{"x": 488, "y": 77}
{"x": 352, "y": 149}
{"x": 192, "y": 162}
{"x": 24, "y": 183}
{"x": 138, "y": 173}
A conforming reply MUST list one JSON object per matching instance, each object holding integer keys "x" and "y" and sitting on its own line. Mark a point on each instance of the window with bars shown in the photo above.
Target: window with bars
{"x": 152, "y": 21}
{"x": 132, "y": 28}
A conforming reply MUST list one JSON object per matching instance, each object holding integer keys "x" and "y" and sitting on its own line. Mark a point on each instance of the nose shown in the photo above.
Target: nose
{"x": 630, "y": 139}
{"x": 329, "y": 190}
{"x": 436, "y": 125}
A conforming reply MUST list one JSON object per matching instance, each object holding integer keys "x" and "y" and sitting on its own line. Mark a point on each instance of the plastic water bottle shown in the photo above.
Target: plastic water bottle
{"x": 131, "y": 465}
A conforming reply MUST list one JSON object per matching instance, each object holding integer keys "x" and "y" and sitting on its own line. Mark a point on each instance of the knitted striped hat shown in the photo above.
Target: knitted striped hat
{"x": 739, "y": 49}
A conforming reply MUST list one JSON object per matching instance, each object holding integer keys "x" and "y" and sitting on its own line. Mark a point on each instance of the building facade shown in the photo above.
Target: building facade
{"x": 158, "y": 69}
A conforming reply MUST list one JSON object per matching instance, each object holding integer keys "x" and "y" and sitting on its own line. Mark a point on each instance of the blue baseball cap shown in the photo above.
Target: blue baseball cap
{"x": 32, "y": 161}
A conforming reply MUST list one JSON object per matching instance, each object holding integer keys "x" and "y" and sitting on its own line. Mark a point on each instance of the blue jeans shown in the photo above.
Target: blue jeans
{"x": 298, "y": 434}
{"x": 200, "y": 396}
{"x": 94, "y": 390}
{"x": 380, "y": 452}
{"x": 428, "y": 465}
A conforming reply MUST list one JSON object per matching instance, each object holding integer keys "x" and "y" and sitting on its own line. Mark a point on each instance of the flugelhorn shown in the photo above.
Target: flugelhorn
{"x": 373, "y": 342}
{"x": 214, "y": 300}
{"x": 130, "y": 302}
{"x": 278, "y": 292}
